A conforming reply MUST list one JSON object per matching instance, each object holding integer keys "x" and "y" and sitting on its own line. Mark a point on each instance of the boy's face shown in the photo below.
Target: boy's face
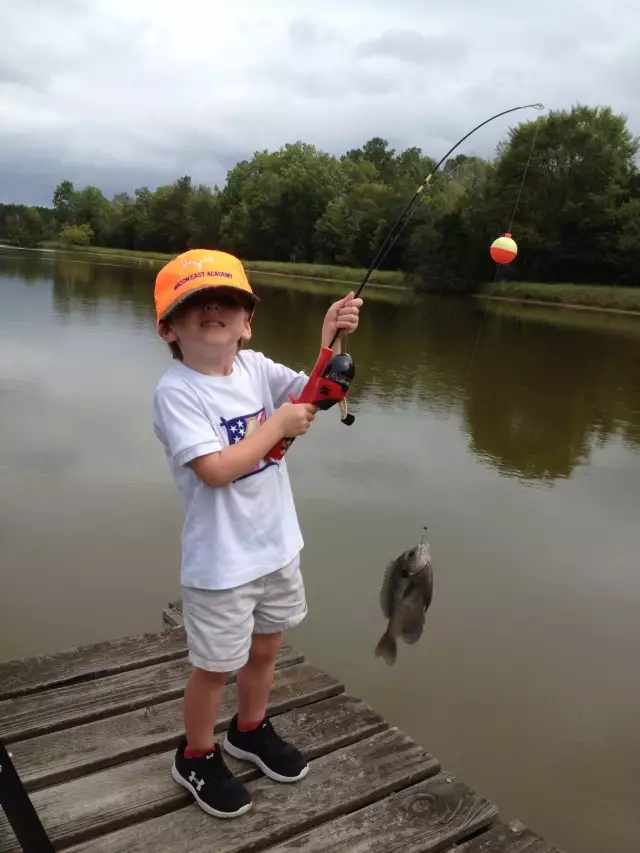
{"x": 210, "y": 320}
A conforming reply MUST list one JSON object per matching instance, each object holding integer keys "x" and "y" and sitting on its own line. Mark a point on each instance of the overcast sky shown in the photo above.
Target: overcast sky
{"x": 125, "y": 93}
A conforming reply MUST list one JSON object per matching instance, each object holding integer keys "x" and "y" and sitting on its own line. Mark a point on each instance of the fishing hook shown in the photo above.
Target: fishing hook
{"x": 381, "y": 251}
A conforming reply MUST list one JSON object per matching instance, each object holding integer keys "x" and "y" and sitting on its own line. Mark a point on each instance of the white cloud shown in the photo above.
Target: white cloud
{"x": 122, "y": 93}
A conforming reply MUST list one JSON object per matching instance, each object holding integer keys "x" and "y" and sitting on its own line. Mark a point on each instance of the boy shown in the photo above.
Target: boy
{"x": 218, "y": 411}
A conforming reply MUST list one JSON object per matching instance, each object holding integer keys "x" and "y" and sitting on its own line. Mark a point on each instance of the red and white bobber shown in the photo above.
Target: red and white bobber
{"x": 504, "y": 249}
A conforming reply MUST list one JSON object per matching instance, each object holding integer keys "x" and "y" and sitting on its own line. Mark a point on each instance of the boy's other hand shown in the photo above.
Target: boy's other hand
{"x": 341, "y": 317}
{"x": 295, "y": 419}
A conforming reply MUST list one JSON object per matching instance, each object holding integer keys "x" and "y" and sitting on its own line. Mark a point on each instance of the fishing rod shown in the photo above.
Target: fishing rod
{"x": 417, "y": 194}
{"x": 332, "y": 374}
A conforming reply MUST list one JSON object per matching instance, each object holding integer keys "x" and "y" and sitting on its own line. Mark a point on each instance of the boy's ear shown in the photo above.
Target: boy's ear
{"x": 166, "y": 333}
{"x": 248, "y": 317}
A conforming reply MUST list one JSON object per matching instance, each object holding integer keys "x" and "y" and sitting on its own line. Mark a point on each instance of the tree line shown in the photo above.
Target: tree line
{"x": 577, "y": 217}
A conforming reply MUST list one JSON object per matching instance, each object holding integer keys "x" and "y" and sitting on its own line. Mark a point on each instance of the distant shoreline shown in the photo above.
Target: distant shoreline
{"x": 522, "y": 300}
{"x": 611, "y": 299}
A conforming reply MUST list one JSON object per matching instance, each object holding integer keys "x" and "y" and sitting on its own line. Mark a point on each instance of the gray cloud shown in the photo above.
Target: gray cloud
{"x": 122, "y": 94}
{"x": 414, "y": 47}
{"x": 305, "y": 33}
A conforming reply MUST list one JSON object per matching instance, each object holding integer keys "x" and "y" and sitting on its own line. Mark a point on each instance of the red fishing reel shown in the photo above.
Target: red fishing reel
{"x": 327, "y": 385}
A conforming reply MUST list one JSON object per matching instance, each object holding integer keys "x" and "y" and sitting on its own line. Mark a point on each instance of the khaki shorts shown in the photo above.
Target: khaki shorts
{"x": 220, "y": 622}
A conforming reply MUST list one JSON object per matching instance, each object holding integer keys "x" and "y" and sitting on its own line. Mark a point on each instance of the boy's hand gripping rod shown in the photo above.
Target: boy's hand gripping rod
{"x": 327, "y": 385}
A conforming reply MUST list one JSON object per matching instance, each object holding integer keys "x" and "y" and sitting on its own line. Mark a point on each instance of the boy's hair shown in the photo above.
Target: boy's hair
{"x": 175, "y": 350}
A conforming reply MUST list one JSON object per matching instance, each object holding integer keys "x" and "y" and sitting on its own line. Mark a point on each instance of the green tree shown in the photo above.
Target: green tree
{"x": 203, "y": 218}
{"x": 123, "y": 225}
{"x": 628, "y": 245}
{"x": 166, "y": 226}
{"x": 63, "y": 203}
{"x": 25, "y": 228}
{"x": 272, "y": 203}
{"x": 377, "y": 151}
{"x": 77, "y": 235}
{"x": 569, "y": 215}
{"x": 92, "y": 208}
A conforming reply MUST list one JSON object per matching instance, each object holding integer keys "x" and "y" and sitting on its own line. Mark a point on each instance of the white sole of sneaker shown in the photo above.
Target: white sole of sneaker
{"x": 204, "y": 806}
{"x": 255, "y": 759}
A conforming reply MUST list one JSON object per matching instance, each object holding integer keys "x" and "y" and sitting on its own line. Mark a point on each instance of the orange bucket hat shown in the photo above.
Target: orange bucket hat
{"x": 196, "y": 270}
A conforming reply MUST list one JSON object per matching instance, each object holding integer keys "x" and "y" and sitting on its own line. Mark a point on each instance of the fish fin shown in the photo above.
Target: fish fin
{"x": 420, "y": 594}
{"x": 427, "y": 588}
{"x": 387, "y": 648}
{"x": 386, "y": 591}
{"x": 412, "y": 632}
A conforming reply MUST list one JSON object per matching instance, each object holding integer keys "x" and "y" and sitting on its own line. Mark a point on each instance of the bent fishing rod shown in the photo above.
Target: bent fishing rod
{"x": 416, "y": 197}
{"x": 332, "y": 374}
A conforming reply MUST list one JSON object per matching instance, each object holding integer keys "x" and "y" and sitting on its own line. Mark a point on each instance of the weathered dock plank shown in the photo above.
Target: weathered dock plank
{"x": 172, "y": 617}
{"x": 144, "y": 788}
{"x": 172, "y": 614}
{"x": 63, "y": 755}
{"x": 41, "y": 672}
{"x": 514, "y": 837}
{"x": 27, "y": 716}
{"x": 426, "y": 817}
{"x": 93, "y": 736}
{"x": 338, "y": 783}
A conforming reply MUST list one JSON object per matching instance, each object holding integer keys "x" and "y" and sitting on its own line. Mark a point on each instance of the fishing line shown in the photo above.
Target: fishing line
{"x": 415, "y": 200}
{"x": 423, "y": 197}
{"x": 509, "y": 230}
{"x": 333, "y": 372}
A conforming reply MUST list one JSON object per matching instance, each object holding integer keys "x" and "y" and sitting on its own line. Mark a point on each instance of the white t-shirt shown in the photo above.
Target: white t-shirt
{"x": 248, "y": 528}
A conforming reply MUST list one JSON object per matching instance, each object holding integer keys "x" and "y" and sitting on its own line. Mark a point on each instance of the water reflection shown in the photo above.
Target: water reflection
{"x": 535, "y": 614}
{"x": 536, "y": 391}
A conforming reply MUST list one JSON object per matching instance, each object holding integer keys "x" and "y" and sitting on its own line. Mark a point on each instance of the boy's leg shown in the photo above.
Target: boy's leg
{"x": 255, "y": 678}
{"x": 250, "y": 735}
{"x": 218, "y": 624}
{"x": 202, "y": 697}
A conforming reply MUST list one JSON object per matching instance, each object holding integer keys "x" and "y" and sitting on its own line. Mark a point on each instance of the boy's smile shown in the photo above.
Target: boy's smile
{"x": 216, "y": 312}
{"x": 210, "y": 317}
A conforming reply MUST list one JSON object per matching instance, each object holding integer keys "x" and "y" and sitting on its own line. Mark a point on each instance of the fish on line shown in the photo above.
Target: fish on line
{"x": 407, "y": 591}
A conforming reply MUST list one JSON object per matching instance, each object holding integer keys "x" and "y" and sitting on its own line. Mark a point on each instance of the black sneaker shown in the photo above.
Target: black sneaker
{"x": 275, "y": 757}
{"x": 213, "y": 785}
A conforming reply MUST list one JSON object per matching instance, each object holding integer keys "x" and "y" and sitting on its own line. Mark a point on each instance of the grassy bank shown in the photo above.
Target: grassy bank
{"x": 321, "y": 272}
{"x": 576, "y": 295}
{"x": 335, "y": 288}
{"x": 102, "y": 251}
{"x": 598, "y": 321}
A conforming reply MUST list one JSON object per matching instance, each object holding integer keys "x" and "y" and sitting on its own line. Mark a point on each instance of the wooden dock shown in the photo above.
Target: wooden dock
{"x": 92, "y": 732}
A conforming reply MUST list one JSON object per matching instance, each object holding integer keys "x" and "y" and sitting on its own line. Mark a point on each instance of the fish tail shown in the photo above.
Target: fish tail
{"x": 387, "y": 648}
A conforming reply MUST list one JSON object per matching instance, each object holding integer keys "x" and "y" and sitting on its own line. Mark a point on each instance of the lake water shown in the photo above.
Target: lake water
{"x": 526, "y": 682}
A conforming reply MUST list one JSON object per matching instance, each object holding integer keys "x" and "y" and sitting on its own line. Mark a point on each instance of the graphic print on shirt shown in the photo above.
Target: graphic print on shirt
{"x": 242, "y": 427}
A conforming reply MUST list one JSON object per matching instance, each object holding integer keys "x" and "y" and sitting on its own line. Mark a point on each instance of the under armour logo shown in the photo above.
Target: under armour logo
{"x": 197, "y": 782}
{"x": 208, "y": 259}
